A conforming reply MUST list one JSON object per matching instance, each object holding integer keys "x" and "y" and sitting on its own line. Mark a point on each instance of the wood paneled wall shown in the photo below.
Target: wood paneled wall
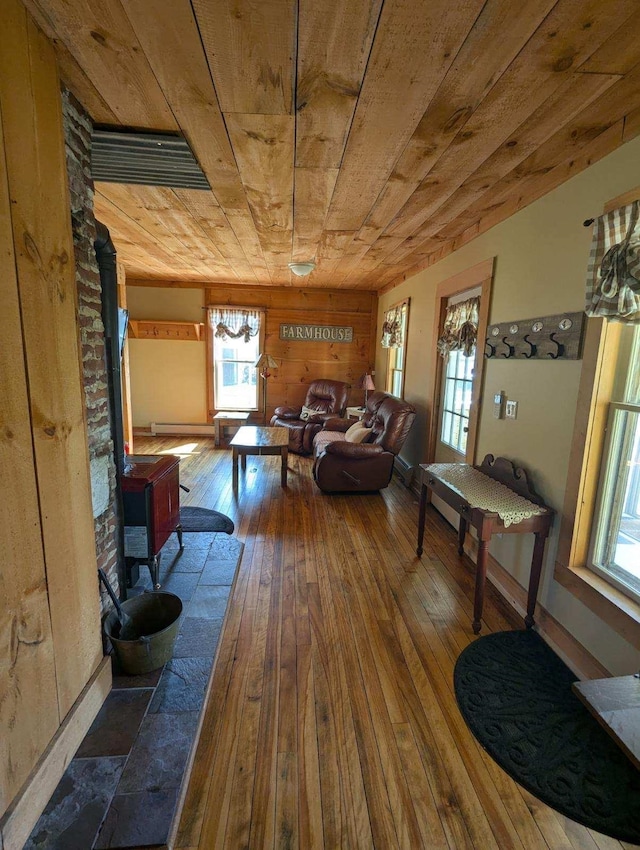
{"x": 302, "y": 362}
{"x": 49, "y": 614}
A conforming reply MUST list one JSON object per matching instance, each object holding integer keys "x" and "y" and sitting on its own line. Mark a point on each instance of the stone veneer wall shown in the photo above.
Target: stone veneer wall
{"x": 77, "y": 129}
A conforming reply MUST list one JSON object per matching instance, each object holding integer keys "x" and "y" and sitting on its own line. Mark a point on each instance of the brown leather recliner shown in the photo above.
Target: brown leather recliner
{"x": 327, "y": 398}
{"x": 342, "y": 467}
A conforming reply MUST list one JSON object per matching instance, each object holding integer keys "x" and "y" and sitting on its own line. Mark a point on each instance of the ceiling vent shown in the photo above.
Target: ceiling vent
{"x": 149, "y": 159}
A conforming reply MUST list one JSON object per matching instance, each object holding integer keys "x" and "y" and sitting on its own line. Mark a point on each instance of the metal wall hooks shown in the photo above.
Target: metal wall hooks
{"x": 559, "y": 348}
{"x": 556, "y": 337}
{"x": 510, "y": 349}
{"x": 533, "y": 349}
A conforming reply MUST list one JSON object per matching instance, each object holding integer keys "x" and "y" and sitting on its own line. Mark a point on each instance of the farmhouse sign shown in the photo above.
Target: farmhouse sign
{"x": 316, "y": 333}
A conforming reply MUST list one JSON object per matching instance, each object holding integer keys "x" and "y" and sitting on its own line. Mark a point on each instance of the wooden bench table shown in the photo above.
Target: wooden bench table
{"x": 521, "y": 510}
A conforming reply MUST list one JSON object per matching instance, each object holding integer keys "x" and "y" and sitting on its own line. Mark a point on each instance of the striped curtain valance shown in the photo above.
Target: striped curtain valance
{"x": 460, "y": 331}
{"x": 613, "y": 275}
{"x": 234, "y": 323}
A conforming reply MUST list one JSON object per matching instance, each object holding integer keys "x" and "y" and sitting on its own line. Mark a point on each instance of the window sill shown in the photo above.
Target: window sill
{"x": 620, "y": 612}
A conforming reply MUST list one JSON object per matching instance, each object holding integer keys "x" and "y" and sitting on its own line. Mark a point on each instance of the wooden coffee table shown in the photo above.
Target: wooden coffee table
{"x": 257, "y": 440}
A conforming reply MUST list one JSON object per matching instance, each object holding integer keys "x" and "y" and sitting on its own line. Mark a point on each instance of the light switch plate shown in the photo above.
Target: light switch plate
{"x": 511, "y": 411}
{"x": 498, "y": 405}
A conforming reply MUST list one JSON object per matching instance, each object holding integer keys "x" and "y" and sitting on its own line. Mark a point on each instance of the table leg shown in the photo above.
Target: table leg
{"x": 243, "y": 461}
{"x": 179, "y": 533}
{"x": 284, "y": 454}
{"x": 234, "y": 466}
{"x": 421, "y": 518}
{"x": 481, "y": 576}
{"x": 462, "y": 532}
{"x": 534, "y": 578}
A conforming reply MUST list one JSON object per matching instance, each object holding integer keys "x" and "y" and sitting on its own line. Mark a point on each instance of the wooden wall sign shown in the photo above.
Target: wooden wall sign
{"x": 557, "y": 337}
{"x": 315, "y": 333}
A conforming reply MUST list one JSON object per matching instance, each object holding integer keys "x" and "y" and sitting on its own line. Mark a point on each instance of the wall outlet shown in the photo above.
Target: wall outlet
{"x": 512, "y": 410}
{"x": 498, "y": 405}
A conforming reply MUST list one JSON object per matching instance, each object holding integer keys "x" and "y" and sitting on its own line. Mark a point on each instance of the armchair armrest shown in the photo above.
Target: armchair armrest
{"x": 355, "y": 451}
{"x": 287, "y": 412}
{"x": 333, "y": 423}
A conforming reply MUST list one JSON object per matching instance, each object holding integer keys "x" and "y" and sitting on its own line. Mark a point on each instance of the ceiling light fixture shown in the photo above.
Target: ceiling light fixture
{"x": 302, "y": 269}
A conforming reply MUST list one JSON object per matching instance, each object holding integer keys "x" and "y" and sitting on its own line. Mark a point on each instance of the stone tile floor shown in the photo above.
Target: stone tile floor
{"x": 121, "y": 788}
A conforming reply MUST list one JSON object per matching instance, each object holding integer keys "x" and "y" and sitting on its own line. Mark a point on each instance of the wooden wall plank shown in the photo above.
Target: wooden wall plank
{"x": 251, "y": 47}
{"x": 29, "y": 707}
{"x": 301, "y": 362}
{"x": 41, "y": 224}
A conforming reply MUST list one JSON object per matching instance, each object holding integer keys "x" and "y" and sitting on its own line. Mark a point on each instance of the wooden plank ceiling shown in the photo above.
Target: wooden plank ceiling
{"x": 374, "y": 136}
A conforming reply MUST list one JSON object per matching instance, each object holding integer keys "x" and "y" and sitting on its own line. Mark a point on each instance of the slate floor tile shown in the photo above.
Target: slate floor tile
{"x": 209, "y": 601}
{"x": 198, "y": 637}
{"x": 143, "y": 680}
{"x": 187, "y": 561}
{"x": 226, "y": 548}
{"x": 113, "y": 731}
{"x": 182, "y": 685}
{"x": 138, "y": 820}
{"x": 218, "y": 572}
{"x": 160, "y": 753}
{"x": 78, "y": 805}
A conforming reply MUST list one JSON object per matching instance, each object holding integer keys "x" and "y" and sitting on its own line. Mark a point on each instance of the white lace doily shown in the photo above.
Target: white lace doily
{"x": 481, "y": 491}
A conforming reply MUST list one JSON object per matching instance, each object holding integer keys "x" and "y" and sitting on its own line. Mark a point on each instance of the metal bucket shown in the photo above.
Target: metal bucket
{"x": 156, "y": 617}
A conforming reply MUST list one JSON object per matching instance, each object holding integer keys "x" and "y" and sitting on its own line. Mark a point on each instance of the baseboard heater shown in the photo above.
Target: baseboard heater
{"x": 404, "y": 470}
{"x": 202, "y": 429}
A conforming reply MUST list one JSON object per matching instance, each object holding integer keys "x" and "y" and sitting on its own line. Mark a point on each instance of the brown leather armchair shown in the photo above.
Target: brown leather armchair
{"x": 327, "y": 398}
{"x": 342, "y": 467}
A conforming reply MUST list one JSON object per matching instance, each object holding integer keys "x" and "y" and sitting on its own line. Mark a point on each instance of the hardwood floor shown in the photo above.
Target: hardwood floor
{"x": 331, "y": 720}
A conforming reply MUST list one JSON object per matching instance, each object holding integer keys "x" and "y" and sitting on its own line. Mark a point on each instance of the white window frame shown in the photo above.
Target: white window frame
{"x": 213, "y": 405}
{"x": 621, "y": 436}
{"x": 397, "y": 357}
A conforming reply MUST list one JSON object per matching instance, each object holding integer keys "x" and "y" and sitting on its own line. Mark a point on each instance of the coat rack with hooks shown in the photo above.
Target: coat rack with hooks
{"x": 557, "y": 337}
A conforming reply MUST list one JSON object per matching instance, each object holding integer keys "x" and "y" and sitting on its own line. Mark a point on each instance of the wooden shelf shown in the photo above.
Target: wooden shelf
{"x": 150, "y": 329}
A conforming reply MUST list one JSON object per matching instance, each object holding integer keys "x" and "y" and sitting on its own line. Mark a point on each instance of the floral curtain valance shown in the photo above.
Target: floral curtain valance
{"x": 233, "y": 323}
{"x": 460, "y": 331}
{"x": 393, "y": 328}
{"x": 613, "y": 275}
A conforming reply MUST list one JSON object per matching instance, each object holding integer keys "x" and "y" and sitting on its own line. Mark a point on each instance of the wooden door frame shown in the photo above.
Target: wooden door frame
{"x": 480, "y": 275}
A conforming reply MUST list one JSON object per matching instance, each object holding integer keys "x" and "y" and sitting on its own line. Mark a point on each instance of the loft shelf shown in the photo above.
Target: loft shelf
{"x": 150, "y": 329}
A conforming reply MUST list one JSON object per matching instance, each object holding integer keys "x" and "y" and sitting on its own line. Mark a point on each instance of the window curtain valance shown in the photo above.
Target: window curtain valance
{"x": 460, "y": 331}
{"x": 392, "y": 329}
{"x": 233, "y": 323}
{"x": 613, "y": 275}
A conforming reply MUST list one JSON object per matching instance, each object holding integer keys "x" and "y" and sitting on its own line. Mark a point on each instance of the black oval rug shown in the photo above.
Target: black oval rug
{"x": 515, "y": 695}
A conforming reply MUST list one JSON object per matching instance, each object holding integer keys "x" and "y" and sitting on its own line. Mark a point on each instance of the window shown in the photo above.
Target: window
{"x": 456, "y": 404}
{"x": 394, "y": 337}
{"x": 615, "y": 545}
{"x": 235, "y": 347}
